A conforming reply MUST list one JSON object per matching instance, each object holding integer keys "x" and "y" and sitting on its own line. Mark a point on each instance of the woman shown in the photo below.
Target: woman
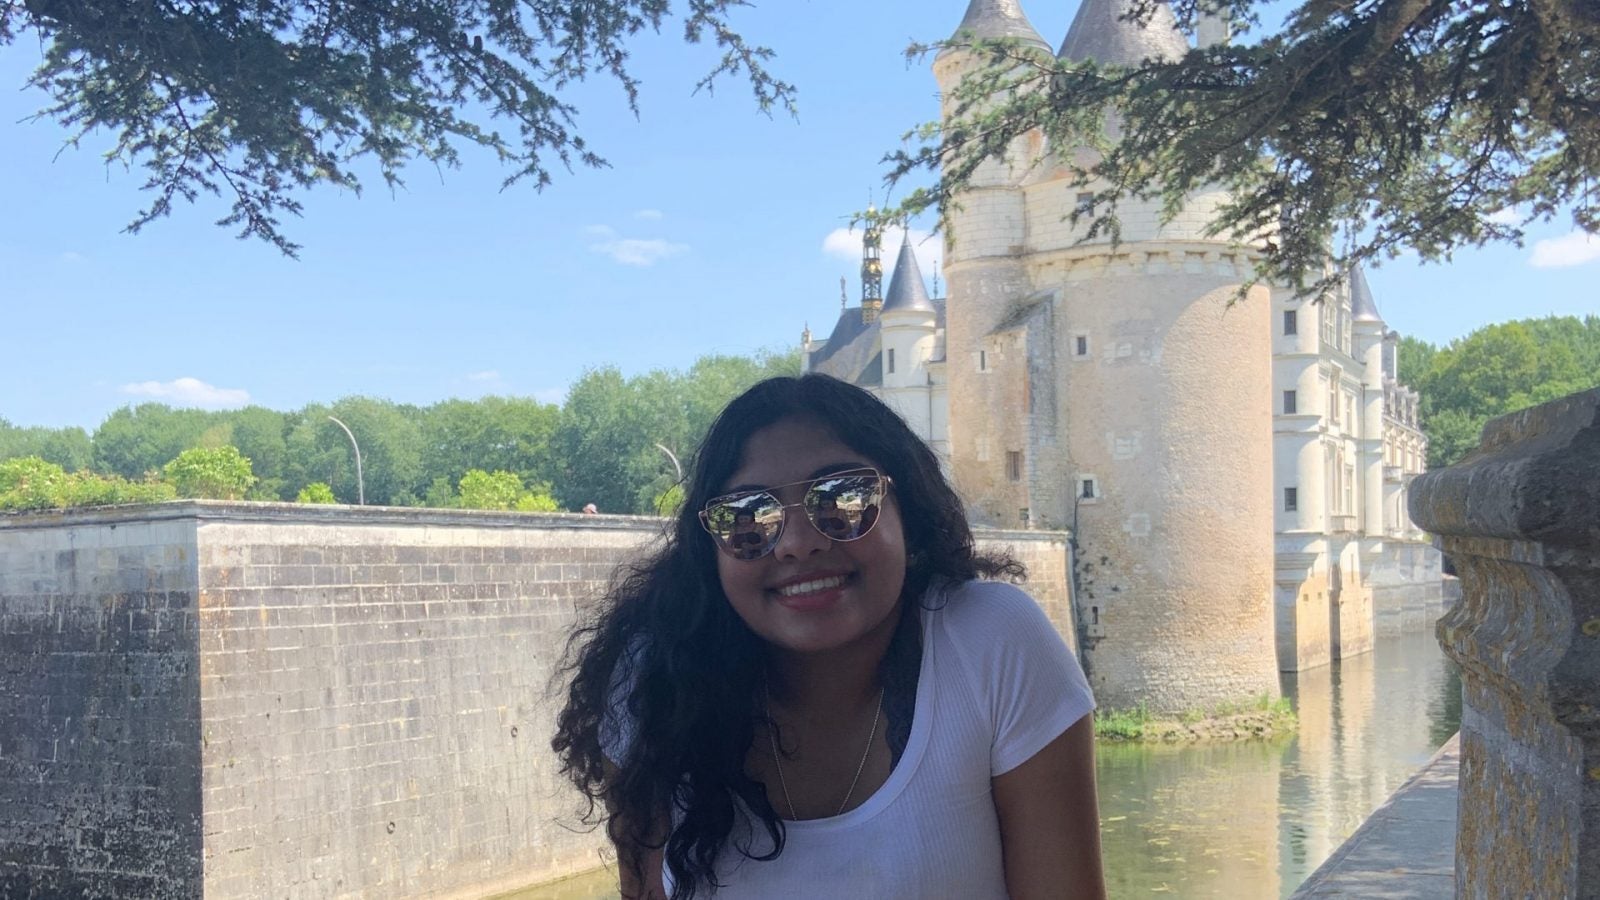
{"x": 839, "y": 714}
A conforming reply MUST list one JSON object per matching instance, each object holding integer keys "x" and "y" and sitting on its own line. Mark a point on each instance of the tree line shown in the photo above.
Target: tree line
{"x": 1495, "y": 370}
{"x": 603, "y": 445}
{"x": 614, "y": 440}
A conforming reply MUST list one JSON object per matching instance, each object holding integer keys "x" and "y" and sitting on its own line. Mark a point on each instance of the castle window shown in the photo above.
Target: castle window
{"x": 1014, "y": 465}
{"x": 983, "y": 360}
{"x": 1291, "y": 322}
{"x": 1085, "y": 202}
{"x": 890, "y": 360}
{"x": 1290, "y": 403}
{"x": 1080, "y": 346}
{"x": 1291, "y": 499}
{"x": 1087, "y": 489}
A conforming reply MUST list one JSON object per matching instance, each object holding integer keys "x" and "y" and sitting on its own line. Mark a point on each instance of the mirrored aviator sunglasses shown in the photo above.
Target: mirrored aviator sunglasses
{"x": 843, "y": 506}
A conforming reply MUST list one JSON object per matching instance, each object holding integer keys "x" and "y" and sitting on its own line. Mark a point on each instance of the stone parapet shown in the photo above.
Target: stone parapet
{"x": 1520, "y": 519}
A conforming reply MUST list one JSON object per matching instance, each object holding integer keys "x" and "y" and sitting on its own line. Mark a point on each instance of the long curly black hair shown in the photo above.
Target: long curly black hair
{"x": 666, "y": 660}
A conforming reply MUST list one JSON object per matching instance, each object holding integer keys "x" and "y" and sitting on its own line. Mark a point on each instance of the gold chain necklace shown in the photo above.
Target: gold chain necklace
{"x": 777, "y": 761}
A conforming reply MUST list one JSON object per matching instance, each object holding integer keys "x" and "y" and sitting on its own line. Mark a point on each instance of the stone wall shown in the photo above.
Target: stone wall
{"x": 100, "y": 725}
{"x": 1407, "y": 587}
{"x": 231, "y": 700}
{"x": 1520, "y": 519}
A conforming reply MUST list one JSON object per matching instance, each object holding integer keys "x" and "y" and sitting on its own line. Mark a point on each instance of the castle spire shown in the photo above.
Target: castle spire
{"x": 996, "y": 19}
{"x": 906, "y": 290}
{"x": 1102, "y": 32}
{"x": 1362, "y": 307}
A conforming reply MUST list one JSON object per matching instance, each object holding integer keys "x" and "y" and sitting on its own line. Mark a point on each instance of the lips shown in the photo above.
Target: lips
{"x": 811, "y": 591}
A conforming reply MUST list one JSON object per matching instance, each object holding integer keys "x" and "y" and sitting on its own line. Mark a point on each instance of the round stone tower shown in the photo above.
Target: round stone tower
{"x": 1161, "y": 387}
{"x": 985, "y": 271}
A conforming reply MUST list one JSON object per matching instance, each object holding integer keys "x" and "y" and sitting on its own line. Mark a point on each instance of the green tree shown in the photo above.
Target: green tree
{"x": 1403, "y": 123}
{"x": 211, "y": 473}
{"x": 261, "y": 434}
{"x": 137, "y": 440}
{"x": 1495, "y": 370}
{"x": 489, "y": 490}
{"x": 68, "y": 448}
{"x": 391, "y": 451}
{"x": 316, "y": 492}
{"x": 258, "y": 102}
{"x": 536, "y": 501}
{"x": 611, "y": 426}
{"x": 510, "y": 434}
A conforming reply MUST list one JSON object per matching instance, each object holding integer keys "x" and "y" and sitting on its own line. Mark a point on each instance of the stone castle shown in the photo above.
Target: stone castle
{"x": 1233, "y": 474}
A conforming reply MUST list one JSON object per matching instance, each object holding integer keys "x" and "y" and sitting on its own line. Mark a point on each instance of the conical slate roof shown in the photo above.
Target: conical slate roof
{"x": 1362, "y": 307}
{"x": 994, "y": 19}
{"x": 1101, "y": 32}
{"x": 906, "y": 290}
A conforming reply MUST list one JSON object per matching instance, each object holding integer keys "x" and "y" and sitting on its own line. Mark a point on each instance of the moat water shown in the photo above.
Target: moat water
{"x": 1253, "y": 820}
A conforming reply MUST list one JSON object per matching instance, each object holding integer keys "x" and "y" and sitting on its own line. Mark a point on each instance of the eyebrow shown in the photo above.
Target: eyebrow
{"x": 819, "y": 472}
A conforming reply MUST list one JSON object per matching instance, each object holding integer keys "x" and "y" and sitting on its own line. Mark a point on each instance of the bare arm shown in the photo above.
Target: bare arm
{"x": 638, "y": 867}
{"x": 1050, "y": 821}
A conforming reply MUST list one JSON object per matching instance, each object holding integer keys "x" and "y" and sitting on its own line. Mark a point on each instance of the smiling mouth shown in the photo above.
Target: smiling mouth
{"x": 815, "y": 586}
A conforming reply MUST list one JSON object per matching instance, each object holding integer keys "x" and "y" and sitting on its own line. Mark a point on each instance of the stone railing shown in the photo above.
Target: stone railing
{"x": 1520, "y": 518}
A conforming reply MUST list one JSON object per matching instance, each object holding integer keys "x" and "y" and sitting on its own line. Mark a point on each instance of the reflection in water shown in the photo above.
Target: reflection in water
{"x": 1252, "y": 820}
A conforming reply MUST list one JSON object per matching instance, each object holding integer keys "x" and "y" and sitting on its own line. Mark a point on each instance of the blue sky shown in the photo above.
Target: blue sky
{"x": 710, "y": 233}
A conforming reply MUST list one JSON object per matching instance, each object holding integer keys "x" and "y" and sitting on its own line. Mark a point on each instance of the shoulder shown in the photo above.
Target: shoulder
{"x": 977, "y": 610}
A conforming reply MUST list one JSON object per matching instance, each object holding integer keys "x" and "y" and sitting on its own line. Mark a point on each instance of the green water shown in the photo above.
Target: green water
{"x": 1252, "y": 820}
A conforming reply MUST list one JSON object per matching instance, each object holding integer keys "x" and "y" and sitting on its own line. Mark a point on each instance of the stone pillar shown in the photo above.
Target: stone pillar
{"x": 1520, "y": 517}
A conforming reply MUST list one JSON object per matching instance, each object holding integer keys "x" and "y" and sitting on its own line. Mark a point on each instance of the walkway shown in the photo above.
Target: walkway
{"x": 1407, "y": 848}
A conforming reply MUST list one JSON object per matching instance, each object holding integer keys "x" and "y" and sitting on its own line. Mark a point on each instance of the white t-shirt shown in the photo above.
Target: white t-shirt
{"x": 997, "y": 684}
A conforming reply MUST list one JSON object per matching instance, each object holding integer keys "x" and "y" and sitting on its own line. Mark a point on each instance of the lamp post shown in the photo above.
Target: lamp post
{"x": 361, "y": 486}
{"x": 674, "y": 457}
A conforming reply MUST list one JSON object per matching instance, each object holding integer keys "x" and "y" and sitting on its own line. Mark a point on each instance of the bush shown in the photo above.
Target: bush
{"x": 210, "y": 473}
{"x": 32, "y": 483}
{"x": 316, "y": 492}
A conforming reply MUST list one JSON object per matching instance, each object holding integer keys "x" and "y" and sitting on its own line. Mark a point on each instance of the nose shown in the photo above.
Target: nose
{"x": 799, "y": 538}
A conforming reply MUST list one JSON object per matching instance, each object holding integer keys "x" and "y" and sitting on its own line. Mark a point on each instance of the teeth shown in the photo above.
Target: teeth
{"x": 810, "y": 587}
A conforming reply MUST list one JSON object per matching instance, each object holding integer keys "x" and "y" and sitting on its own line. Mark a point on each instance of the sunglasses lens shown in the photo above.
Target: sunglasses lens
{"x": 746, "y": 526}
{"x": 845, "y": 507}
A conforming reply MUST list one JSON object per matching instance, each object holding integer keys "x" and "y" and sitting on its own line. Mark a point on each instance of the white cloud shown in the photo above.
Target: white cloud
{"x": 1509, "y": 215}
{"x": 1571, "y": 249}
{"x": 649, "y": 215}
{"x": 72, "y": 258}
{"x": 555, "y": 395}
{"x": 485, "y": 375}
{"x": 844, "y": 244}
{"x": 189, "y": 392}
{"x": 635, "y": 251}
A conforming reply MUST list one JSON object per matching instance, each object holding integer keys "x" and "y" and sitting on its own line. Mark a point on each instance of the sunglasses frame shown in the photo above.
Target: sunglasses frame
{"x": 884, "y": 481}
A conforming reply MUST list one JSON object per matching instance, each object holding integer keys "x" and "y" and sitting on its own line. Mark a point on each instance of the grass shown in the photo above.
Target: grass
{"x": 1122, "y": 724}
{"x": 1265, "y": 714}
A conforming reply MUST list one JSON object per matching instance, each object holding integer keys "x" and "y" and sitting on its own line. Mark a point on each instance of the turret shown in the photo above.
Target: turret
{"x": 1367, "y": 334}
{"x": 986, "y": 278}
{"x": 908, "y": 325}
